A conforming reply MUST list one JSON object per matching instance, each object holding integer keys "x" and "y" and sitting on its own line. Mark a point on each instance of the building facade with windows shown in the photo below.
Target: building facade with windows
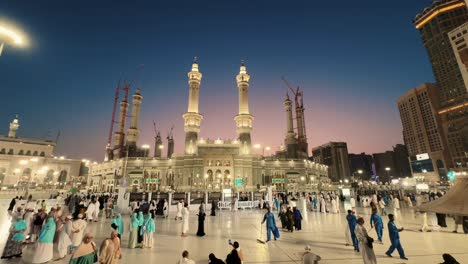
{"x": 423, "y": 133}
{"x": 30, "y": 162}
{"x": 441, "y": 27}
{"x": 206, "y": 164}
{"x": 335, "y": 156}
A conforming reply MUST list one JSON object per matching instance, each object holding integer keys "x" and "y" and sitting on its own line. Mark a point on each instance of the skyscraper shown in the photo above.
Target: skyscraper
{"x": 422, "y": 132}
{"x": 434, "y": 25}
{"x": 335, "y": 156}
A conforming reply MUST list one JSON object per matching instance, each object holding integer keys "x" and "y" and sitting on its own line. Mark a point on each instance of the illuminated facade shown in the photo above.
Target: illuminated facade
{"x": 435, "y": 24}
{"x": 208, "y": 164}
{"x": 422, "y": 132}
{"x": 30, "y": 162}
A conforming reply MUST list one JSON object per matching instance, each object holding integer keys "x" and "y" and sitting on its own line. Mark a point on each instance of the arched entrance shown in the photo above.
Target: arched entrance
{"x": 62, "y": 179}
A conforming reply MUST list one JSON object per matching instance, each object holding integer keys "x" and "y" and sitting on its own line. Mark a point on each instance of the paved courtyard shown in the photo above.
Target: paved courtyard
{"x": 324, "y": 232}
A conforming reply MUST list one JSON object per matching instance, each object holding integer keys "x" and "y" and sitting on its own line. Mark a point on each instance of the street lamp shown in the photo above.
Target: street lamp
{"x": 146, "y": 147}
{"x": 9, "y": 32}
{"x": 387, "y": 169}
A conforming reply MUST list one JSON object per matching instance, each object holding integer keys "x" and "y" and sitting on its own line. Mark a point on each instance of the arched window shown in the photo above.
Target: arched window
{"x": 2, "y": 175}
{"x": 210, "y": 175}
{"x": 49, "y": 176}
{"x": 3, "y": 151}
{"x": 21, "y": 152}
{"x": 35, "y": 153}
{"x": 62, "y": 177}
{"x": 10, "y": 152}
{"x": 28, "y": 153}
{"x": 42, "y": 154}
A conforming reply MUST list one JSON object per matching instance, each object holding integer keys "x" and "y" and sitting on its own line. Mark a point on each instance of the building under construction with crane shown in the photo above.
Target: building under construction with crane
{"x": 210, "y": 165}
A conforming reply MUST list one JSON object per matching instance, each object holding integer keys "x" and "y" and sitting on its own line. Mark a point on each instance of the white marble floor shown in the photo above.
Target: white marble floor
{"x": 323, "y": 232}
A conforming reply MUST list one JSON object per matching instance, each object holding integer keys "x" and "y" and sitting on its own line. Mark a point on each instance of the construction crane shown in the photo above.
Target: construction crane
{"x": 169, "y": 134}
{"x": 155, "y": 130}
{"x": 297, "y": 93}
{"x": 114, "y": 109}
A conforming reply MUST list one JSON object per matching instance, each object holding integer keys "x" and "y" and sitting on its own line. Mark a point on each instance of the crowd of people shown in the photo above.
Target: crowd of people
{"x": 56, "y": 231}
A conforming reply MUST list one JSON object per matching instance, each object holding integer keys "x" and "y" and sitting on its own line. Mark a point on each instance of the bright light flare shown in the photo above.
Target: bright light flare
{"x": 10, "y": 32}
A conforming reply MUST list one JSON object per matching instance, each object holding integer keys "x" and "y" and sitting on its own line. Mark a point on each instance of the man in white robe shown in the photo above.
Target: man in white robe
{"x": 185, "y": 220}
{"x": 333, "y": 206}
{"x": 352, "y": 201}
{"x": 78, "y": 228}
{"x": 180, "y": 206}
{"x": 322, "y": 205}
{"x": 96, "y": 210}
{"x": 367, "y": 253}
{"x": 90, "y": 211}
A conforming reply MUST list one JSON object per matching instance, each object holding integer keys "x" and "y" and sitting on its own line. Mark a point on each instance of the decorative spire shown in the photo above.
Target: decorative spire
{"x": 195, "y": 64}
{"x": 243, "y": 69}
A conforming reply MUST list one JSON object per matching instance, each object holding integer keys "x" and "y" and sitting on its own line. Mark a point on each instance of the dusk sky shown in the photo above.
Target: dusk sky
{"x": 353, "y": 59}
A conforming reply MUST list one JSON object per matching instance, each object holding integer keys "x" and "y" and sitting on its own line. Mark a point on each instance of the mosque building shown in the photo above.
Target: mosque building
{"x": 29, "y": 163}
{"x": 208, "y": 164}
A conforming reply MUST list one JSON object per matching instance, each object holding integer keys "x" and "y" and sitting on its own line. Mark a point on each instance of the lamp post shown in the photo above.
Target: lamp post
{"x": 10, "y": 33}
{"x": 387, "y": 169}
{"x": 259, "y": 146}
{"x": 146, "y": 147}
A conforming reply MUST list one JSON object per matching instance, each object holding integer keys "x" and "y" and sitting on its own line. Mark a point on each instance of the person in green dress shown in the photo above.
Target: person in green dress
{"x": 135, "y": 223}
{"x": 13, "y": 246}
{"x": 45, "y": 244}
{"x": 86, "y": 252}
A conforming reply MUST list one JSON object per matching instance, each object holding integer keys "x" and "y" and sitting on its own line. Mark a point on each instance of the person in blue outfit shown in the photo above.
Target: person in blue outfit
{"x": 352, "y": 222}
{"x": 118, "y": 225}
{"x": 376, "y": 221}
{"x": 393, "y": 232}
{"x": 297, "y": 218}
{"x": 277, "y": 203}
{"x": 269, "y": 218}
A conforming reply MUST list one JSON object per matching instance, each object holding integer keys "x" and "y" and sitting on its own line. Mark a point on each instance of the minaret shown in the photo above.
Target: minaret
{"x": 133, "y": 132}
{"x": 119, "y": 135}
{"x": 244, "y": 119}
{"x": 192, "y": 118}
{"x": 158, "y": 145}
{"x": 14, "y": 125}
{"x": 290, "y": 141}
{"x": 170, "y": 146}
{"x": 301, "y": 134}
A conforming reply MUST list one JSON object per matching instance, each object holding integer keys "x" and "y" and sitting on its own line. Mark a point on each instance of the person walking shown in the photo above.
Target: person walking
{"x": 148, "y": 228}
{"x": 86, "y": 253}
{"x": 110, "y": 249}
{"x": 376, "y": 221}
{"x": 179, "y": 207}
{"x": 365, "y": 243}
{"x": 201, "y": 222}
{"x": 382, "y": 206}
{"x": 269, "y": 218}
{"x": 45, "y": 247}
{"x": 78, "y": 228}
{"x": 352, "y": 222}
{"x": 289, "y": 219}
{"x": 394, "y": 235}
{"x": 297, "y": 218}
{"x": 185, "y": 220}
{"x": 132, "y": 241}
{"x": 14, "y": 243}
{"x": 118, "y": 225}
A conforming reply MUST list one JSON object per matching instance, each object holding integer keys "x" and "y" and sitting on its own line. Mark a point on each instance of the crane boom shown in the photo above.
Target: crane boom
{"x": 114, "y": 109}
